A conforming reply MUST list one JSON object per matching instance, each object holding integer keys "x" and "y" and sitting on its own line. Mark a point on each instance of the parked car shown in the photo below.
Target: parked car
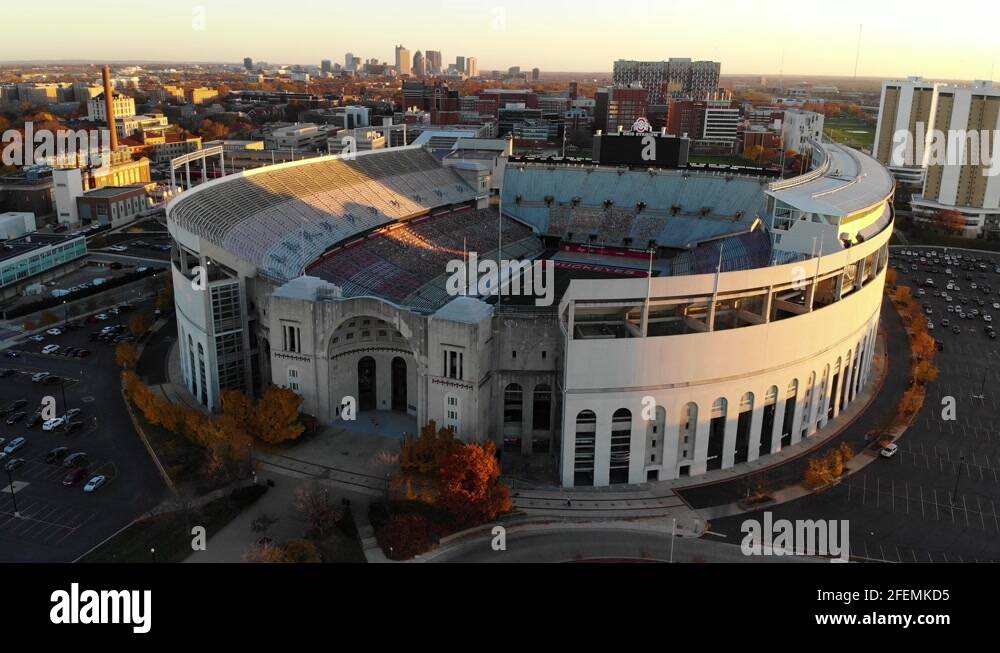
{"x": 34, "y": 420}
{"x": 75, "y": 459}
{"x": 50, "y": 349}
{"x": 54, "y": 332}
{"x": 56, "y": 455}
{"x": 14, "y": 464}
{"x": 51, "y": 380}
{"x": 53, "y": 424}
{"x": 15, "y": 418}
{"x": 94, "y": 483}
{"x": 889, "y": 451}
{"x": 36, "y": 338}
{"x": 14, "y": 445}
{"x": 5, "y": 373}
{"x": 74, "y": 476}
{"x": 102, "y": 316}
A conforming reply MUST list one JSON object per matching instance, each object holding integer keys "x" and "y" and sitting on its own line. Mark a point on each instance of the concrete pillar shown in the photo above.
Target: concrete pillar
{"x": 756, "y": 424}
{"x": 602, "y": 449}
{"x": 700, "y": 464}
{"x": 729, "y": 439}
{"x": 671, "y": 444}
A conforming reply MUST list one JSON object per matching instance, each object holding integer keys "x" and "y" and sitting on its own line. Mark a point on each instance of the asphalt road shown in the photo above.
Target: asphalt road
{"x": 57, "y": 523}
{"x": 903, "y": 509}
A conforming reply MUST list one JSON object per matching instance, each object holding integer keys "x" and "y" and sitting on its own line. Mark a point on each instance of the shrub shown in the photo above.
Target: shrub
{"x": 404, "y": 536}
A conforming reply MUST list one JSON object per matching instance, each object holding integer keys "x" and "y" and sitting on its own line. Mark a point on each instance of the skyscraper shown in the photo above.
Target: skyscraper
{"x": 248, "y": 63}
{"x": 472, "y": 67}
{"x": 326, "y": 66}
{"x": 433, "y": 59}
{"x": 460, "y": 64}
{"x": 349, "y": 61}
{"x": 403, "y": 61}
{"x": 905, "y": 105}
{"x": 536, "y": 74}
{"x": 419, "y": 65}
{"x": 963, "y": 152}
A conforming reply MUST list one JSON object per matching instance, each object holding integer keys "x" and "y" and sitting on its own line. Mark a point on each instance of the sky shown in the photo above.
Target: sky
{"x": 801, "y": 37}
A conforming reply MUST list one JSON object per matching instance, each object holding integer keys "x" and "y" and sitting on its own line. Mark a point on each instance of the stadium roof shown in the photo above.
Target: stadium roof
{"x": 850, "y": 182}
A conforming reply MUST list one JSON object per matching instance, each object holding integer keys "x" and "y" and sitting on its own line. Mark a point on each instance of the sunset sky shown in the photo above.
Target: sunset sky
{"x": 556, "y": 35}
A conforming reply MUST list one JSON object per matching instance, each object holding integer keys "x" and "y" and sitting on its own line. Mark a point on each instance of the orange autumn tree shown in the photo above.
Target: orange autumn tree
{"x": 126, "y": 355}
{"x": 469, "y": 485}
{"x": 427, "y": 452}
{"x": 276, "y": 416}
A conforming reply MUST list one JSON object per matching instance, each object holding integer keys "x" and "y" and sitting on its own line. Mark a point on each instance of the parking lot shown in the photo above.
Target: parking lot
{"x": 906, "y": 508}
{"x": 54, "y": 522}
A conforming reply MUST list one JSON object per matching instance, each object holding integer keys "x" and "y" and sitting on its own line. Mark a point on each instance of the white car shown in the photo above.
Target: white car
{"x": 102, "y": 316}
{"x": 38, "y": 378}
{"x": 94, "y": 483}
{"x": 988, "y": 318}
{"x": 889, "y": 451}
{"x": 36, "y": 338}
{"x": 996, "y": 306}
{"x": 54, "y": 332}
{"x": 14, "y": 445}
{"x": 53, "y": 424}
{"x": 50, "y": 349}
{"x": 118, "y": 248}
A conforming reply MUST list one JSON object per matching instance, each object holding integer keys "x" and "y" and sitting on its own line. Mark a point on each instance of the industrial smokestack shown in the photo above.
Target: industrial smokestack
{"x": 109, "y": 106}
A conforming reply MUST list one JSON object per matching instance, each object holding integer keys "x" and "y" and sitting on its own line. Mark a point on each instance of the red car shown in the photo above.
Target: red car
{"x": 75, "y": 476}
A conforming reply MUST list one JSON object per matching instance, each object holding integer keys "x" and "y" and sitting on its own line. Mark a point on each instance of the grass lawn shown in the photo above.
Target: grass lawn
{"x": 170, "y": 534}
{"x": 850, "y": 131}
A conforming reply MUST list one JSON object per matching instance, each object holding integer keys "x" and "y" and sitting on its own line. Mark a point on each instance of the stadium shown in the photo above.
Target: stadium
{"x": 703, "y": 318}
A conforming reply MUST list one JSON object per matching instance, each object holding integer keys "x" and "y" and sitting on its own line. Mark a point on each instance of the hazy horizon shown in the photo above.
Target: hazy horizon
{"x": 785, "y": 37}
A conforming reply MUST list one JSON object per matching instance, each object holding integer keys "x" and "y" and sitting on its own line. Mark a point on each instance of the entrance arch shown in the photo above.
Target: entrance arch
{"x": 367, "y": 396}
{"x": 399, "y": 384}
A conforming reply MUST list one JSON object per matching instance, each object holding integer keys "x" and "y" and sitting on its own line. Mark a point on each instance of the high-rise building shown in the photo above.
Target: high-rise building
{"x": 907, "y": 107}
{"x": 433, "y": 59}
{"x": 419, "y": 65}
{"x": 404, "y": 62}
{"x": 350, "y": 62}
{"x": 676, "y": 78}
{"x": 963, "y": 153}
{"x": 625, "y": 107}
{"x": 536, "y": 74}
{"x": 799, "y": 126}
{"x": 460, "y": 64}
{"x": 248, "y": 63}
{"x": 326, "y": 66}
{"x": 472, "y": 67}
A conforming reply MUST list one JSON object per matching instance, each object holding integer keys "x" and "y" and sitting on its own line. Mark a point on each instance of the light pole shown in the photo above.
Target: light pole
{"x": 152, "y": 553}
{"x": 673, "y": 536}
{"x": 958, "y": 477}
{"x": 13, "y": 496}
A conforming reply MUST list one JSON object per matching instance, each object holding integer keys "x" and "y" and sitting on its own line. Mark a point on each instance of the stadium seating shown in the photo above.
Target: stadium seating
{"x": 282, "y": 218}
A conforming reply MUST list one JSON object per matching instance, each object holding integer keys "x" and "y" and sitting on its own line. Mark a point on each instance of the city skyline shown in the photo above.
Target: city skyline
{"x": 893, "y": 43}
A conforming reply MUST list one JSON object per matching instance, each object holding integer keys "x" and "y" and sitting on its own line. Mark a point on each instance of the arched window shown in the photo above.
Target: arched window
{"x": 767, "y": 423}
{"x": 513, "y": 417}
{"x": 717, "y": 433}
{"x": 807, "y": 405}
{"x": 788, "y": 423}
{"x": 621, "y": 446}
{"x": 585, "y": 443}
{"x": 831, "y": 408}
{"x": 743, "y": 429}
{"x": 686, "y": 438}
{"x": 541, "y": 419}
{"x": 845, "y": 389}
